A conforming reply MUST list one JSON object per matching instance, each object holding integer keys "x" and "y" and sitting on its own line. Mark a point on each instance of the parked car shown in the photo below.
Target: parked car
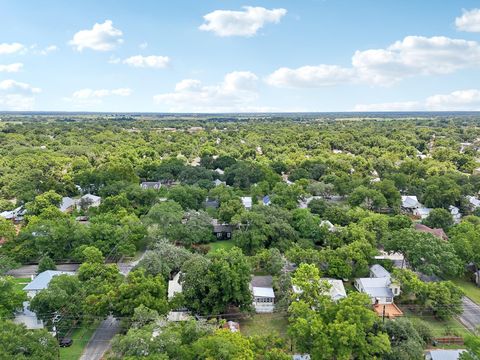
{"x": 66, "y": 342}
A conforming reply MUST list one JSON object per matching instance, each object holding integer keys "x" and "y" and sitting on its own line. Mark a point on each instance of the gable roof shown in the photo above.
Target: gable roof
{"x": 91, "y": 197}
{"x": 42, "y": 280}
{"x": 410, "y": 202}
{"x": 436, "y": 232}
{"x": 222, "y": 228}
{"x": 376, "y": 287}
{"x": 444, "y": 354}
{"x": 379, "y": 271}
{"x": 263, "y": 292}
{"x": 67, "y": 202}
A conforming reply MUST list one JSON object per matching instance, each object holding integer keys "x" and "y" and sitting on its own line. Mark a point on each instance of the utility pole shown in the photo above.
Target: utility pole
{"x": 383, "y": 314}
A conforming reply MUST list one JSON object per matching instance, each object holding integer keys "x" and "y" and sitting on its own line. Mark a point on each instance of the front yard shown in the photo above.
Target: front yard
{"x": 471, "y": 290}
{"x": 440, "y": 328}
{"x": 264, "y": 324}
{"x": 80, "y": 336}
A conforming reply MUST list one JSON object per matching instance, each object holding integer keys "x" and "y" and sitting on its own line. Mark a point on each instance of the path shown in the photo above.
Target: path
{"x": 471, "y": 314}
{"x": 99, "y": 343}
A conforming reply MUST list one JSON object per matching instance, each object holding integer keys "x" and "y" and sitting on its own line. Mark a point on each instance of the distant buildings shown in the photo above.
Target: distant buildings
{"x": 247, "y": 202}
{"x": 15, "y": 215}
{"x": 69, "y": 204}
{"x": 155, "y": 185}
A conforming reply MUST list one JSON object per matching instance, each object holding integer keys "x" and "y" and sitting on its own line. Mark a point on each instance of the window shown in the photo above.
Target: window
{"x": 229, "y": 235}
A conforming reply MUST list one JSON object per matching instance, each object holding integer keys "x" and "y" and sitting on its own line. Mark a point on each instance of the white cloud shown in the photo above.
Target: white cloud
{"x": 240, "y": 23}
{"x": 412, "y": 56}
{"x": 48, "y": 49}
{"x": 12, "y": 48}
{"x": 460, "y": 100}
{"x": 415, "y": 55}
{"x": 11, "y": 68}
{"x": 310, "y": 76}
{"x": 469, "y": 21}
{"x": 236, "y": 92}
{"x": 12, "y": 85}
{"x": 85, "y": 94}
{"x": 102, "y": 37}
{"x": 16, "y": 95}
{"x": 463, "y": 100}
{"x": 152, "y": 61}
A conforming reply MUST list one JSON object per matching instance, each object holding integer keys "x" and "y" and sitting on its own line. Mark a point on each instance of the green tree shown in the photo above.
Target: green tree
{"x": 43, "y": 202}
{"x": 368, "y": 198}
{"x": 7, "y": 230}
{"x": 11, "y": 297}
{"x": 16, "y": 342}
{"x": 224, "y": 345}
{"x": 439, "y": 218}
{"x": 46, "y": 263}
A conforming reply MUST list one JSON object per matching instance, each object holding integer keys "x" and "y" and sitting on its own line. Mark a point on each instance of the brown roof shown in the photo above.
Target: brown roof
{"x": 436, "y": 232}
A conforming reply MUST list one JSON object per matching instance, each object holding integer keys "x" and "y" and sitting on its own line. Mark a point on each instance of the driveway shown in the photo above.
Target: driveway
{"x": 471, "y": 314}
{"x": 29, "y": 270}
{"x": 100, "y": 341}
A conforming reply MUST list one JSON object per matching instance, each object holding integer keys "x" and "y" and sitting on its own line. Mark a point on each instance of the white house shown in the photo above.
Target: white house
{"x": 329, "y": 225}
{"x": 422, "y": 212}
{"x": 474, "y": 202}
{"x": 41, "y": 281}
{"x": 410, "y": 203}
{"x": 247, "y": 202}
{"x": 219, "y": 171}
{"x": 90, "y": 200}
{"x": 456, "y": 215}
{"x": 336, "y": 291}
{"x": 379, "y": 287}
{"x": 174, "y": 286}
{"x": 28, "y": 317}
{"x": 67, "y": 204}
{"x": 263, "y": 295}
{"x": 155, "y": 185}
{"x": 443, "y": 354}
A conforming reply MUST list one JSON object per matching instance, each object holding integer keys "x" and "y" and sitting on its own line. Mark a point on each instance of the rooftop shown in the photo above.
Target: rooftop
{"x": 42, "y": 280}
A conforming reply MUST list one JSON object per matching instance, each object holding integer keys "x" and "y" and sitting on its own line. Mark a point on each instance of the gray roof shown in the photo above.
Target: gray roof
{"x": 221, "y": 228}
{"x": 379, "y": 271}
{"x": 444, "y": 354}
{"x": 262, "y": 281}
{"x": 43, "y": 279}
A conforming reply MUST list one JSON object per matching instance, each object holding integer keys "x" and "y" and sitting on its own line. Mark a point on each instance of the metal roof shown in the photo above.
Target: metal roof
{"x": 263, "y": 292}
{"x": 43, "y": 279}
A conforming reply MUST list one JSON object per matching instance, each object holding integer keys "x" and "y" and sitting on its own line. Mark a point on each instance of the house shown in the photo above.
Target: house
{"x": 456, "y": 215}
{"x": 222, "y": 231}
{"x": 410, "y": 203}
{"x": 422, "y": 212}
{"x": 266, "y": 200}
{"x": 218, "y": 182}
{"x": 378, "y": 286}
{"x": 41, "y": 281}
{"x": 263, "y": 295}
{"x": 474, "y": 202}
{"x": 211, "y": 203}
{"x": 89, "y": 200}
{"x": 155, "y": 185}
{"x": 443, "y": 354}
{"x": 436, "y": 232}
{"x": 15, "y": 215}
{"x": 301, "y": 357}
{"x": 219, "y": 171}
{"x": 68, "y": 204}
{"x": 174, "y": 286}
{"x": 28, "y": 317}
{"x": 336, "y": 291}
{"x": 397, "y": 259}
{"x": 247, "y": 202}
{"x": 328, "y": 225}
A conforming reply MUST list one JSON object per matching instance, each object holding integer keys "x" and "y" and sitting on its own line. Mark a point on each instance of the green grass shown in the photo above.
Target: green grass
{"x": 80, "y": 337}
{"x": 439, "y": 328}
{"x": 265, "y": 324}
{"x": 471, "y": 290}
{"x": 224, "y": 244}
{"x": 21, "y": 282}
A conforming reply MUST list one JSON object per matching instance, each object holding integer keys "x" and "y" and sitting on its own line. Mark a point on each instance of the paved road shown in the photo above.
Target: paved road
{"x": 29, "y": 270}
{"x": 471, "y": 314}
{"x": 100, "y": 341}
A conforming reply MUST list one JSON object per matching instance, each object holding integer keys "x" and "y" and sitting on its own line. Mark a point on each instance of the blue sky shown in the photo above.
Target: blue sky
{"x": 222, "y": 56}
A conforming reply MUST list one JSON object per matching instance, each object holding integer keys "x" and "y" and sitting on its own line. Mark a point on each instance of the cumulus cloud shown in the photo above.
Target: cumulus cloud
{"x": 11, "y": 48}
{"x": 240, "y": 23}
{"x": 11, "y": 68}
{"x": 101, "y": 93}
{"x": 16, "y": 95}
{"x": 460, "y": 100}
{"x": 152, "y": 61}
{"x": 102, "y": 37}
{"x": 310, "y": 76}
{"x": 412, "y": 56}
{"x": 48, "y": 49}
{"x": 469, "y": 21}
{"x": 236, "y": 92}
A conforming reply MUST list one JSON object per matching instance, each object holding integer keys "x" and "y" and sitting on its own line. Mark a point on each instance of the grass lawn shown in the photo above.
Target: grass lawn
{"x": 439, "y": 328}
{"x": 80, "y": 337}
{"x": 224, "y": 244}
{"x": 21, "y": 282}
{"x": 471, "y": 290}
{"x": 263, "y": 324}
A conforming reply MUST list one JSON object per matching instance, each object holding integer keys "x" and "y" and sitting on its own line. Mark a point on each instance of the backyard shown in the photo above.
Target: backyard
{"x": 262, "y": 324}
{"x": 440, "y": 328}
{"x": 224, "y": 244}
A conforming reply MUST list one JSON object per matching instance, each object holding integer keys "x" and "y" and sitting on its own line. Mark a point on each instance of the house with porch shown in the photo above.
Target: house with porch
{"x": 263, "y": 294}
